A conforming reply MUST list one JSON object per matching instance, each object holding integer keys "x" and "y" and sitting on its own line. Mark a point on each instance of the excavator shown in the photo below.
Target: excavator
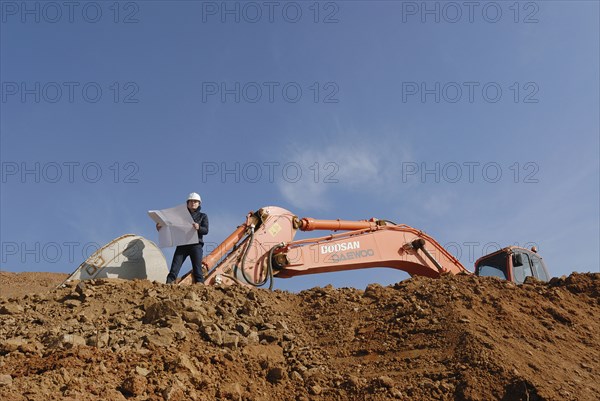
{"x": 263, "y": 247}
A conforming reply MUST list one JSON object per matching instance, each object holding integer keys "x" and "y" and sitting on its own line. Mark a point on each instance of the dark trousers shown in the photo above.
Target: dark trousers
{"x": 194, "y": 251}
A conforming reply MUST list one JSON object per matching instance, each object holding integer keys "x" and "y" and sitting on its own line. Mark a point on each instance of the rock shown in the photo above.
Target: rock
{"x": 214, "y": 334}
{"x": 6, "y": 380}
{"x": 11, "y": 345}
{"x": 113, "y": 395}
{"x": 372, "y": 291}
{"x": 159, "y": 310}
{"x": 180, "y": 330}
{"x": 193, "y": 317}
{"x": 315, "y": 389}
{"x": 165, "y": 332}
{"x": 281, "y": 325}
{"x": 173, "y": 393}
{"x": 72, "y": 303}
{"x": 31, "y": 348}
{"x": 72, "y": 340}
{"x": 253, "y": 338}
{"x": 180, "y": 334}
{"x": 275, "y": 375}
{"x": 296, "y": 376}
{"x": 81, "y": 287}
{"x": 83, "y": 318}
{"x": 84, "y": 291}
{"x": 230, "y": 391}
{"x": 183, "y": 361}
{"x": 163, "y": 338}
{"x": 98, "y": 340}
{"x": 142, "y": 371}
{"x": 231, "y": 339}
{"x": 103, "y": 339}
{"x": 193, "y": 305}
{"x": 355, "y": 381}
{"x": 134, "y": 385}
{"x": 243, "y": 329}
{"x": 385, "y": 381}
{"x": 11, "y": 309}
{"x": 313, "y": 373}
{"x": 174, "y": 320}
{"x": 564, "y": 393}
{"x": 269, "y": 335}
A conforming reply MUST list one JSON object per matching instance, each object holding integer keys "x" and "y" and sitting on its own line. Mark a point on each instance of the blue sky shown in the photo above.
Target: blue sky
{"x": 478, "y": 124}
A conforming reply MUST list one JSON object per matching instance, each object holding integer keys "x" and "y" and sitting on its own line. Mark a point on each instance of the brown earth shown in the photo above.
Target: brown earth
{"x": 19, "y": 284}
{"x": 455, "y": 338}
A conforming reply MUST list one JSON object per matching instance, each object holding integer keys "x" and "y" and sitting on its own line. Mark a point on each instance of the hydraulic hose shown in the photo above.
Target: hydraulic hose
{"x": 270, "y": 264}
{"x": 243, "y": 262}
{"x": 268, "y": 277}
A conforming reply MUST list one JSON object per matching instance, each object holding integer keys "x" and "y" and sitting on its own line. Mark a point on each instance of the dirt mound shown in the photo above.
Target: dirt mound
{"x": 458, "y": 337}
{"x": 18, "y": 284}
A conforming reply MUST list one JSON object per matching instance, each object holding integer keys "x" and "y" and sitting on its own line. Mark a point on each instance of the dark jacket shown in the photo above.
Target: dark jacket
{"x": 202, "y": 220}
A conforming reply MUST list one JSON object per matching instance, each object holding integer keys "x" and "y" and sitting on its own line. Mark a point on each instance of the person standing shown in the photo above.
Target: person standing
{"x": 194, "y": 251}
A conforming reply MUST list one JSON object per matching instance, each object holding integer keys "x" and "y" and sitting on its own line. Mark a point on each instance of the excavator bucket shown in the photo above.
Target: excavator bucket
{"x": 127, "y": 257}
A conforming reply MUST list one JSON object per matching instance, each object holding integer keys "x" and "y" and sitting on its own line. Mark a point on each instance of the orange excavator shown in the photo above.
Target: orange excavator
{"x": 263, "y": 247}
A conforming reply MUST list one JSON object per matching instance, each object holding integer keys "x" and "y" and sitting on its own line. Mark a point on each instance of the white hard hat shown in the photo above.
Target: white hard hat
{"x": 194, "y": 196}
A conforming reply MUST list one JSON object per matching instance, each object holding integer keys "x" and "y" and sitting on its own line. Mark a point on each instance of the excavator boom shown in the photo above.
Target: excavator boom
{"x": 263, "y": 247}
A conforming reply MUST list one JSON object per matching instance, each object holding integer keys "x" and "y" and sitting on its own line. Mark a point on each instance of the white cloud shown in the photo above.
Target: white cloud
{"x": 440, "y": 203}
{"x": 305, "y": 194}
{"x": 344, "y": 164}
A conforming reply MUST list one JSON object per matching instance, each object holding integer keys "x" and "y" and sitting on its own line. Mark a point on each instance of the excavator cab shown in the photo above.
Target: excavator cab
{"x": 512, "y": 263}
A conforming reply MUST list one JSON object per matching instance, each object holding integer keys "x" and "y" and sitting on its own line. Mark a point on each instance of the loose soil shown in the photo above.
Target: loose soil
{"x": 454, "y": 338}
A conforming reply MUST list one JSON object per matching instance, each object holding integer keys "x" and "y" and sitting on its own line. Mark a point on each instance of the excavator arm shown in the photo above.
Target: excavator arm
{"x": 263, "y": 247}
{"x": 394, "y": 246}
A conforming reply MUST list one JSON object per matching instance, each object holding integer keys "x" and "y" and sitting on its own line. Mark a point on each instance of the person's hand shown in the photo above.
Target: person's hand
{"x": 158, "y": 227}
{"x": 196, "y": 226}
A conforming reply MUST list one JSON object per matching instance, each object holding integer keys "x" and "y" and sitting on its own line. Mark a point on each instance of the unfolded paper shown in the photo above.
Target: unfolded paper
{"x": 176, "y": 226}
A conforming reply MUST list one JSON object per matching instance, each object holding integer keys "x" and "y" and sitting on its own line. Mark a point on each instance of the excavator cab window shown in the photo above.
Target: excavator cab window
{"x": 523, "y": 270}
{"x": 494, "y": 266}
{"x": 517, "y": 259}
{"x": 538, "y": 267}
